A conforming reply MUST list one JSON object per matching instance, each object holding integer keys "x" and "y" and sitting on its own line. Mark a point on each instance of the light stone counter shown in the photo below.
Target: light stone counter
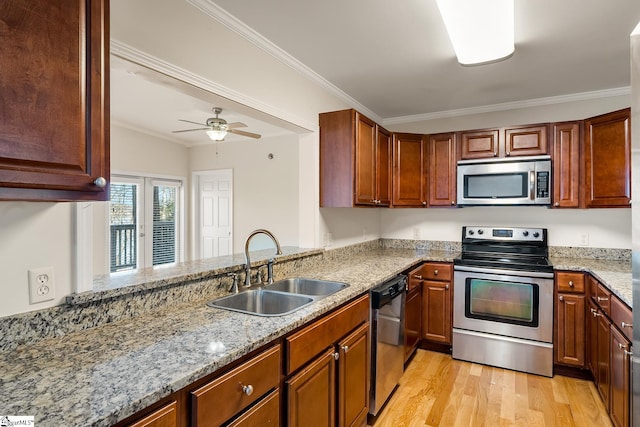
{"x": 104, "y": 374}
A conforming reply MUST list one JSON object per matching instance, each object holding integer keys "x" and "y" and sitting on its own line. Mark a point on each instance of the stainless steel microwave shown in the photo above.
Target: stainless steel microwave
{"x": 512, "y": 181}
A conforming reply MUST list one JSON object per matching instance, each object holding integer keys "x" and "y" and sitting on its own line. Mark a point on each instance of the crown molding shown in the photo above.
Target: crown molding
{"x": 139, "y": 57}
{"x": 584, "y": 96}
{"x": 209, "y": 8}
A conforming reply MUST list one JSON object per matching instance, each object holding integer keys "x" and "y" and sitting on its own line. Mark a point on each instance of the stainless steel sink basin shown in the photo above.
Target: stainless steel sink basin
{"x": 304, "y": 286}
{"x": 262, "y": 302}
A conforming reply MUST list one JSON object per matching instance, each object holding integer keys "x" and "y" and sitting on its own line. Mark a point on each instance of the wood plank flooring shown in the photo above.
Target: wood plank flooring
{"x": 436, "y": 390}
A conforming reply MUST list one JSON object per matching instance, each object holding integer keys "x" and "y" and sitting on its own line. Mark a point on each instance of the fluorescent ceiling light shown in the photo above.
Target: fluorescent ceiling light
{"x": 481, "y": 31}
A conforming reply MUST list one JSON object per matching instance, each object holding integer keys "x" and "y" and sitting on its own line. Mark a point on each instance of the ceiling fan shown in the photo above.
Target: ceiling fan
{"x": 217, "y": 128}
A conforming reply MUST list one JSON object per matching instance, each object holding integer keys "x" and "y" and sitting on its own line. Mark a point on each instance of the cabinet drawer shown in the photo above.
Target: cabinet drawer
{"x": 264, "y": 413}
{"x": 603, "y": 298}
{"x": 167, "y": 416}
{"x": 622, "y": 317}
{"x": 222, "y": 398}
{"x": 303, "y": 345}
{"x": 570, "y": 282}
{"x": 434, "y": 271}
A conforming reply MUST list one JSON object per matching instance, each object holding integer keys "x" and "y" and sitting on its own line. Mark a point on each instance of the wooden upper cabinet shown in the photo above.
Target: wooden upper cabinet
{"x": 607, "y": 160}
{"x": 409, "y": 170}
{"x": 565, "y": 154}
{"x": 530, "y": 140}
{"x": 442, "y": 169}
{"x": 479, "y": 144}
{"x": 355, "y": 161}
{"x": 54, "y": 121}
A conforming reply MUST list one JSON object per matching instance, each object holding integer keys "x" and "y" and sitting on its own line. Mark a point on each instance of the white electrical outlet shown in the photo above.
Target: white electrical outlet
{"x": 41, "y": 285}
{"x": 584, "y": 239}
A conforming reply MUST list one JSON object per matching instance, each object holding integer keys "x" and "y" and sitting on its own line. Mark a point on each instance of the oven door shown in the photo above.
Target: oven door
{"x": 504, "y": 302}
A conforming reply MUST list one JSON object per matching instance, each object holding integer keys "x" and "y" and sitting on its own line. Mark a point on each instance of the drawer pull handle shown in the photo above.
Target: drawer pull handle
{"x": 595, "y": 313}
{"x": 345, "y": 348}
{"x": 336, "y": 355}
{"x": 626, "y": 325}
{"x": 571, "y": 283}
{"x": 417, "y": 276}
{"x": 247, "y": 389}
{"x": 602, "y": 299}
{"x": 627, "y": 352}
{"x": 435, "y": 272}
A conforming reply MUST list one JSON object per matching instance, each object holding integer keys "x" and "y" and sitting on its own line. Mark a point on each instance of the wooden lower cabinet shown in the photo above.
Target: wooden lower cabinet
{"x": 436, "y": 311}
{"x": 311, "y": 393}
{"x": 353, "y": 378}
{"x": 570, "y": 346}
{"x": 167, "y": 416}
{"x": 413, "y": 318}
{"x": 620, "y": 378}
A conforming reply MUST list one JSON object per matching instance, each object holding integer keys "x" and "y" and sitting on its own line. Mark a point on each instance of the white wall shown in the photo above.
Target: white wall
{"x": 265, "y": 191}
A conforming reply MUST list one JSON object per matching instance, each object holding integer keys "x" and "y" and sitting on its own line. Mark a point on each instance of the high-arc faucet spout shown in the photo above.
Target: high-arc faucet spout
{"x": 247, "y": 279}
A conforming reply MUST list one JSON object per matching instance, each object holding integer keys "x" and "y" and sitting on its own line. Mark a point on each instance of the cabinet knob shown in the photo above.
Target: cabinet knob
{"x": 435, "y": 272}
{"x": 446, "y": 287}
{"x": 623, "y": 347}
{"x": 345, "y": 348}
{"x": 453, "y": 202}
{"x": 556, "y": 204}
{"x": 602, "y": 299}
{"x": 495, "y": 154}
{"x": 508, "y": 153}
{"x": 571, "y": 283}
{"x": 247, "y": 389}
{"x": 561, "y": 298}
{"x": 100, "y": 182}
{"x": 417, "y": 276}
{"x": 336, "y": 355}
{"x": 424, "y": 203}
{"x": 626, "y": 325}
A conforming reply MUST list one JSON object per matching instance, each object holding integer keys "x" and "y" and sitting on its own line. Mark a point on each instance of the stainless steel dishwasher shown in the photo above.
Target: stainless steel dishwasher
{"x": 387, "y": 340}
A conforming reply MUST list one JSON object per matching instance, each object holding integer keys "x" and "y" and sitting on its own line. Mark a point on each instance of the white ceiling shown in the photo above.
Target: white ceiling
{"x": 394, "y": 59}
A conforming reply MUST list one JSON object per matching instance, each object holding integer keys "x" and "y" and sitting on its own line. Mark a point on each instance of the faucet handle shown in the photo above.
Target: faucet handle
{"x": 234, "y": 285}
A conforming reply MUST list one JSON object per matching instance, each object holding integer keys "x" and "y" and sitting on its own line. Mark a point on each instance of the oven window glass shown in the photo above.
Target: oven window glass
{"x": 496, "y": 186}
{"x": 506, "y": 302}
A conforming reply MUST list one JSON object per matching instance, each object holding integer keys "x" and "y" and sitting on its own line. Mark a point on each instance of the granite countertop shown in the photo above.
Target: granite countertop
{"x": 100, "y": 376}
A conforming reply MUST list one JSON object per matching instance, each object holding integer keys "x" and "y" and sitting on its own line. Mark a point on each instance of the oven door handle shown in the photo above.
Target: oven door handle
{"x": 515, "y": 273}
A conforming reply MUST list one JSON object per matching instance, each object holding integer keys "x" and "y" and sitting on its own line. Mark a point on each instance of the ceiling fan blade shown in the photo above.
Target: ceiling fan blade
{"x": 236, "y": 125}
{"x": 188, "y": 130}
{"x": 244, "y": 133}
{"x": 193, "y": 123}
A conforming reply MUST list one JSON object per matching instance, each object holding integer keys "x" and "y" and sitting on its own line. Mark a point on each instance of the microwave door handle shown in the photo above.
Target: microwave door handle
{"x": 532, "y": 186}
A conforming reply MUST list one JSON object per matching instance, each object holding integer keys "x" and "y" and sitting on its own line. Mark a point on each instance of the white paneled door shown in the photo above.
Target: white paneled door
{"x": 215, "y": 197}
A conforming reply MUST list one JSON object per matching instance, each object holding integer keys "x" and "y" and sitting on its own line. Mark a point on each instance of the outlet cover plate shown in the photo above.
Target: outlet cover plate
{"x": 41, "y": 285}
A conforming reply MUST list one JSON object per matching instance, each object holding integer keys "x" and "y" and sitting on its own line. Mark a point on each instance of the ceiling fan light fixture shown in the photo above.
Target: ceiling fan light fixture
{"x": 481, "y": 31}
{"x": 216, "y": 134}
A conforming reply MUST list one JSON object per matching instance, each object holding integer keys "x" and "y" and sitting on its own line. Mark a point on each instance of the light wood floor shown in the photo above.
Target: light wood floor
{"x": 436, "y": 390}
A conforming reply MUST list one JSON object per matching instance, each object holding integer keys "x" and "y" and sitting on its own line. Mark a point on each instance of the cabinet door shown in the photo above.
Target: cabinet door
{"x": 264, "y": 413}
{"x": 167, "y": 416}
{"x": 479, "y": 144}
{"x": 436, "y": 311}
{"x": 383, "y": 167}
{"x": 620, "y": 379}
{"x": 526, "y": 141}
{"x": 571, "y": 331}
{"x": 566, "y": 165}
{"x": 409, "y": 170}
{"x": 603, "y": 357}
{"x": 311, "y": 393}
{"x": 607, "y": 160}
{"x": 592, "y": 341}
{"x": 442, "y": 169}
{"x": 353, "y": 378}
{"x": 413, "y": 321}
{"x": 366, "y": 158}
{"x": 54, "y": 126}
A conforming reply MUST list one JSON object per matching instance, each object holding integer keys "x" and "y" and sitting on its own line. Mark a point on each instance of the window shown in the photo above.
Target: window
{"x": 138, "y": 204}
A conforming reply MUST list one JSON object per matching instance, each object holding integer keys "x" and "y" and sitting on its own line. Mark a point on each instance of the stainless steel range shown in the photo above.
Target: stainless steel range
{"x": 503, "y": 299}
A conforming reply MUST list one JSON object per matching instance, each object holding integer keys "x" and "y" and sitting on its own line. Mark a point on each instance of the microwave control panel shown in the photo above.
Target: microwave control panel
{"x": 542, "y": 185}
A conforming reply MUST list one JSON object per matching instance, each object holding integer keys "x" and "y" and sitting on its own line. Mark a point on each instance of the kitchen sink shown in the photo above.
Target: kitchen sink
{"x": 304, "y": 286}
{"x": 279, "y": 298}
{"x": 262, "y": 302}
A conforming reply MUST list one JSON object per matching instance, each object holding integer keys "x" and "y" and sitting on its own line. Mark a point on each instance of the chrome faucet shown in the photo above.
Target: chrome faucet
{"x": 247, "y": 279}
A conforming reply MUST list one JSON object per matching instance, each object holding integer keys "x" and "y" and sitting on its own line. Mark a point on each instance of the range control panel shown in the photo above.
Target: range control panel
{"x": 515, "y": 234}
